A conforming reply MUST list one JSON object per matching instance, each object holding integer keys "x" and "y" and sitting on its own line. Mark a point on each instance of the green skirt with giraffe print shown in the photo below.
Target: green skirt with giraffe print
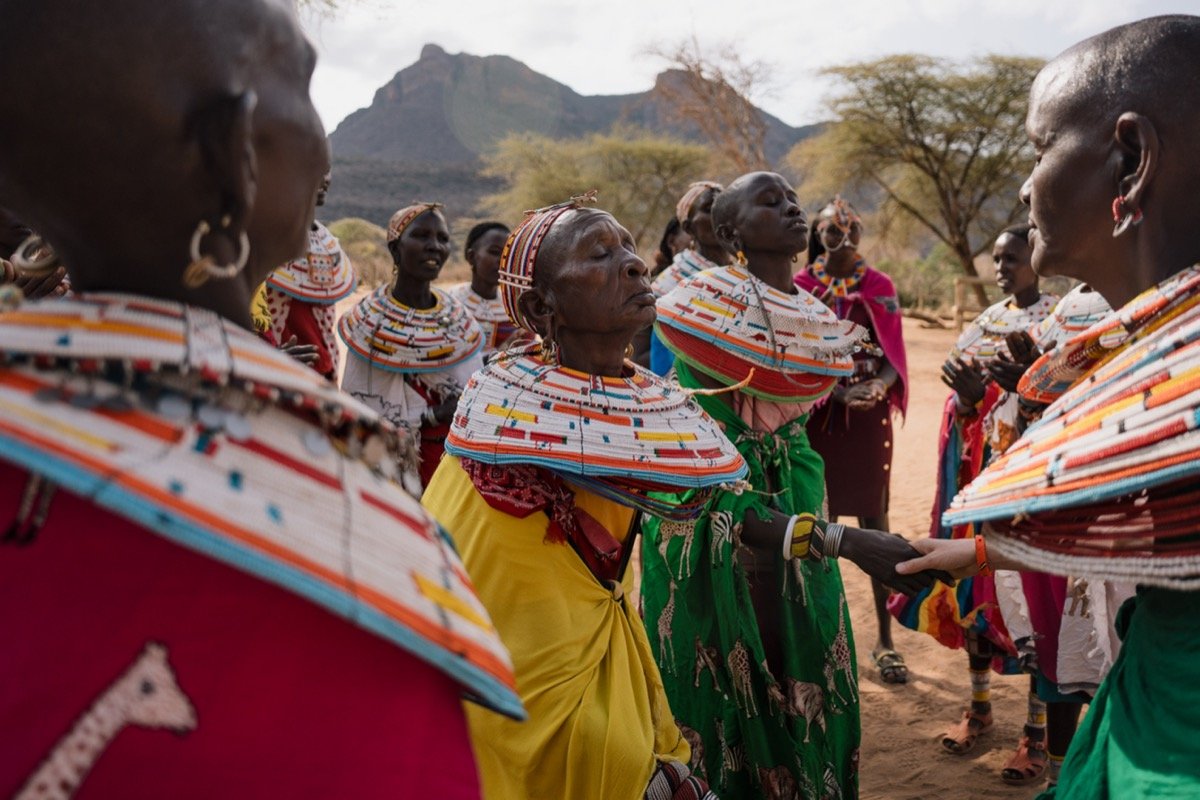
{"x": 755, "y": 734}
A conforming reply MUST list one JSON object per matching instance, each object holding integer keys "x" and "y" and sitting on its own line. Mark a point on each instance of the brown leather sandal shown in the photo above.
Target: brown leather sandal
{"x": 961, "y": 738}
{"x": 1027, "y": 765}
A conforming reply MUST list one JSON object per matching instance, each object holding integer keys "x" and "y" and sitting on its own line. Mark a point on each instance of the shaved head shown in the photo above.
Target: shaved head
{"x": 1151, "y": 66}
{"x": 135, "y": 122}
{"x": 1114, "y": 121}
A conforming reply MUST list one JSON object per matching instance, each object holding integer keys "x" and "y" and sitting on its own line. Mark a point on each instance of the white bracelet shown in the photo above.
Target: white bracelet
{"x": 787, "y": 537}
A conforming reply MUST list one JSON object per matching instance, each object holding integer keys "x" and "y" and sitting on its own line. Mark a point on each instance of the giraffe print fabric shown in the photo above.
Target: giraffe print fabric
{"x": 787, "y": 735}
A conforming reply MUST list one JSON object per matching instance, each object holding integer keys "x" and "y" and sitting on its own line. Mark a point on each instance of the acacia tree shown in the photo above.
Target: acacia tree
{"x": 943, "y": 144}
{"x": 713, "y": 94}
{"x": 638, "y": 175}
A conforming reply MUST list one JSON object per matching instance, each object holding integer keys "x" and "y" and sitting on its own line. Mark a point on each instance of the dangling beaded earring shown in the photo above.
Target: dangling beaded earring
{"x": 740, "y": 257}
{"x": 1123, "y": 217}
{"x": 549, "y": 351}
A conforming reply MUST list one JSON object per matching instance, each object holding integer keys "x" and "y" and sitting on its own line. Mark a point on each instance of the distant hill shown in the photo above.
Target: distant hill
{"x": 425, "y": 130}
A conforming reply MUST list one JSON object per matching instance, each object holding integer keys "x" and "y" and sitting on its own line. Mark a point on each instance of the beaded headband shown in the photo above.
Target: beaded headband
{"x": 838, "y": 214}
{"x": 405, "y": 216}
{"x": 521, "y": 250}
{"x": 683, "y": 208}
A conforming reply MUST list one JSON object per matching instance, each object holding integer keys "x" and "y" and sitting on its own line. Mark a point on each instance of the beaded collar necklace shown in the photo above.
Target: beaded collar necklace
{"x": 841, "y": 286}
{"x": 398, "y": 338}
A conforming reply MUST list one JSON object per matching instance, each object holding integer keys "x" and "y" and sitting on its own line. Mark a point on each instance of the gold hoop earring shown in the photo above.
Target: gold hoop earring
{"x": 34, "y": 258}
{"x": 204, "y": 267}
{"x": 629, "y": 351}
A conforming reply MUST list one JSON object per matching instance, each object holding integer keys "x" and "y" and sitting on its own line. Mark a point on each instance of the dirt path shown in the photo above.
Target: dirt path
{"x": 902, "y": 725}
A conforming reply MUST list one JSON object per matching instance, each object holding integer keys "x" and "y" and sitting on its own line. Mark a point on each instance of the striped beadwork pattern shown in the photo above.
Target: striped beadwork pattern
{"x": 984, "y": 338}
{"x": 1144, "y": 314}
{"x": 490, "y": 314}
{"x": 203, "y": 434}
{"x": 1104, "y": 484}
{"x": 322, "y": 277}
{"x": 726, "y": 322}
{"x": 687, "y": 263}
{"x": 394, "y": 337}
{"x": 519, "y": 409}
{"x": 1078, "y": 311}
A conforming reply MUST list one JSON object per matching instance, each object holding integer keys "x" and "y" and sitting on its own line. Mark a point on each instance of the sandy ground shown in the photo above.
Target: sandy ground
{"x": 902, "y": 725}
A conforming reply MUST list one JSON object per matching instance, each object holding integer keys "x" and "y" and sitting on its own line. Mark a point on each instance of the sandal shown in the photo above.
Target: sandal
{"x": 891, "y": 666}
{"x": 961, "y": 738}
{"x": 1028, "y": 765}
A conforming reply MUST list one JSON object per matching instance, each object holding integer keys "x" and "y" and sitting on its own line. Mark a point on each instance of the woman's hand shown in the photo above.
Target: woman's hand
{"x": 955, "y": 556}
{"x": 877, "y": 553}
{"x": 444, "y": 412}
{"x": 866, "y": 395}
{"x": 54, "y": 283}
{"x": 306, "y": 354}
{"x": 1006, "y": 371}
{"x": 966, "y": 379}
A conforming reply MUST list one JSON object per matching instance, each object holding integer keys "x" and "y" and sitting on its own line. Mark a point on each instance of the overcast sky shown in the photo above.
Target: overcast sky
{"x": 599, "y": 47}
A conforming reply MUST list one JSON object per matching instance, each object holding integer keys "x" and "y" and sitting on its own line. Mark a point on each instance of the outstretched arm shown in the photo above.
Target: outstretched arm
{"x": 876, "y": 552}
{"x": 961, "y": 558}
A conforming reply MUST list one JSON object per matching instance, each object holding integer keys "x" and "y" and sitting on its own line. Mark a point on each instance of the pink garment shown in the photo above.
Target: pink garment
{"x": 286, "y": 699}
{"x": 877, "y": 295}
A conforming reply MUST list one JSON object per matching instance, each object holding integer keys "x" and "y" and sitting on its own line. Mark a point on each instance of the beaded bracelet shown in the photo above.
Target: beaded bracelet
{"x": 981, "y": 557}
{"x": 797, "y": 539}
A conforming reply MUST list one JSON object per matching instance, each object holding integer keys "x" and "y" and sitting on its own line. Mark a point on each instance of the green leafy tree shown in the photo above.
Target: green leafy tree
{"x": 941, "y": 144}
{"x": 638, "y": 175}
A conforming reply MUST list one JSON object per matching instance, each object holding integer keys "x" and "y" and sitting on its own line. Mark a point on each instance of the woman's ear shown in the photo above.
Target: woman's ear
{"x": 225, "y": 132}
{"x": 1137, "y": 140}
{"x": 538, "y": 312}
{"x": 728, "y": 237}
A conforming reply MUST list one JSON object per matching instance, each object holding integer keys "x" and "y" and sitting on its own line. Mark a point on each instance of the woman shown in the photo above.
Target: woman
{"x": 694, "y": 212}
{"x": 298, "y": 300}
{"x": 853, "y": 432}
{"x": 550, "y": 459}
{"x": 1060, "y": 625}
{"x": 755, "y": 644}
{"x": 674, "y": 239}
{"x": 481, "y": 296}
{"x": 979, "y": 421}
{"x": 412, "y": 346}
{"x": 1140, "y": 737}
{"x": 202, "y": 537}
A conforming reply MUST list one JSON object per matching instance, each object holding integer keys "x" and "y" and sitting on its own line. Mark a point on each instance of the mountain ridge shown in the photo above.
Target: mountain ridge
{"x": 427, "y": 129}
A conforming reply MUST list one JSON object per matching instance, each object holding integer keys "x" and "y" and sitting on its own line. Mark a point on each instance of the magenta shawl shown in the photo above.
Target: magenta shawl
{"x": 876, "y": 293}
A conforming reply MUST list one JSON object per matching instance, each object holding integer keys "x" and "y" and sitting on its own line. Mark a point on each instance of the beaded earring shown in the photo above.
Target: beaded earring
{"x": 1123, "y": 217}
{"x": 549, "y": 351}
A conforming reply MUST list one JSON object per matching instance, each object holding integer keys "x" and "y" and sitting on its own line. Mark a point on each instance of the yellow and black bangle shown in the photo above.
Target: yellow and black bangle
{"x": 797, "y": 539}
